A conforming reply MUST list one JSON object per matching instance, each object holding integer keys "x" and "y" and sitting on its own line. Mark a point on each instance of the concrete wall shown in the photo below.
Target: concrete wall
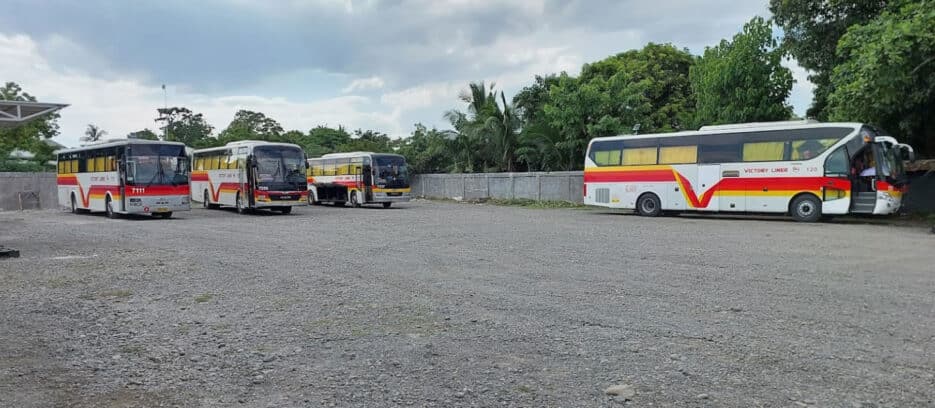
{"x": 555, "y": 186}
{"x": 28, "y": 191}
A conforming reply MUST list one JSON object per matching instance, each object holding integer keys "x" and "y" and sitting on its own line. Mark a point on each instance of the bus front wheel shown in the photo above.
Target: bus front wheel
{"x": 240, "y": 207}
{"x": 354, "y": 201}
{"x": 387, "y": 205}
{"x": 285, "y": 210}
{"x": 806, "y": 208}
{"x": 109, "y": 208}
{"x": 74, "y": 205}
{"x": 648, "y": 205}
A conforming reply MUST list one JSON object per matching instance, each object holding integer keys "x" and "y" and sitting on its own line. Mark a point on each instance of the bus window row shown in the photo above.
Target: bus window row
{"x": 336, "y": 167}
{"x": 722, "y": 148}
{"x": 88, "y": 161}
{"x": 219, "y": 161}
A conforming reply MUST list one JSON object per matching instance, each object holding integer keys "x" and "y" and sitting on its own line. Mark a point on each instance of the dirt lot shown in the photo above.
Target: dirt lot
{"x": 434, "y": 304}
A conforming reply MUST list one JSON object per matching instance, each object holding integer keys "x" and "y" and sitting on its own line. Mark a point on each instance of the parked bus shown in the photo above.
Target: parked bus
{"x": 807, "y": 169}
{"x": 127, "y": 176}
{"x": 359, "y": 178}
{"x": 250, "y": 175}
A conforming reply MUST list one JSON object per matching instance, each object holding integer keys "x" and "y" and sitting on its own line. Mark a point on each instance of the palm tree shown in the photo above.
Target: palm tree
{"x": 487, "y": 133}
{"x": 93, "y": 133}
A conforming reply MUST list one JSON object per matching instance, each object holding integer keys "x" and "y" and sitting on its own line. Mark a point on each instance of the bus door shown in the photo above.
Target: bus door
{"x": 122, "y": 177}
{"x": 708, "y": 177}
{"x": 732, "y": 190}
{"x": 248, "y": 180}
{"x": 367, "y": 180}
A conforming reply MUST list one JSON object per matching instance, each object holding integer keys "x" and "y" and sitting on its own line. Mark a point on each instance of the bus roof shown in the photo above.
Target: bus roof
{"x": 247, "y": 143}
{"x": 737, "y": 128}
{"x": 115, "y": 143}
{"x": 352, "y": 154}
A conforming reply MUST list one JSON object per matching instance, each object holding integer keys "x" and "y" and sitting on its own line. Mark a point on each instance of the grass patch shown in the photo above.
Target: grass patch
{"x": 116, "y": 293}
{"x": 525, "y": 202}
{"x": 204, "y": 297}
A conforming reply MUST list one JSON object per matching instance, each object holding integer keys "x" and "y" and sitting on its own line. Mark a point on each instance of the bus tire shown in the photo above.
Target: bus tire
{"x": 286, "y": 209}
{"x": 387, "y": 205}
{"x": 353, "y": 199}
{"x": 109, "y": 208}
{"x": 805, "y": 208}
{"x": 238, "y": 202}
{"x": 165, "y": 215}
{"x": 74, "y": 204}
{"x": 205, "y": 203}
{"x": 648, "y": 205}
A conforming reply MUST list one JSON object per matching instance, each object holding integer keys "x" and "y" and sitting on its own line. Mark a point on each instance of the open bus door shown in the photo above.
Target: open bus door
{"x": 367, "y": 177}
{"x": 249, "y": 186}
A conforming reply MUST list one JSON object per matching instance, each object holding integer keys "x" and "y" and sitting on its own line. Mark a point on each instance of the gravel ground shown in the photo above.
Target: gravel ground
{"x": 438, "y": 304}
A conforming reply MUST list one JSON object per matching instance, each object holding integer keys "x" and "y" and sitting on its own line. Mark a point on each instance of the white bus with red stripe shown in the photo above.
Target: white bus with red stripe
{"x": 127, "y": 176}
{"x": 807, "y": 169}
{"x": 250, "y": 175}
{"x": 359, "y": 178}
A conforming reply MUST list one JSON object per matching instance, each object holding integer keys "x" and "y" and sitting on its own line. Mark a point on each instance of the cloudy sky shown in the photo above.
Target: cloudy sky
{"x": 370, "y": 64}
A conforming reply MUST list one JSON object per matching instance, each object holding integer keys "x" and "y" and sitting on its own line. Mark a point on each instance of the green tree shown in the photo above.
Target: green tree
{"x": 887, "y": 74}
{"x": 367, "y": 141}
{"x": 487, "y": 133}
{"x": 188, "y": 127}
{"x": 427, "y": 150}
{"x": 811, "y": 31}
{"x": 250, "y": 125}
{"x": 93, "y": 133}
{"x": 539, "y": 141}
{"x": 654, "y": 81}
{"x": 31, "y": 135}
{"x": 144, "y": 134}
{"x": 743, "y": 80}
{"x": 323, "y": 140}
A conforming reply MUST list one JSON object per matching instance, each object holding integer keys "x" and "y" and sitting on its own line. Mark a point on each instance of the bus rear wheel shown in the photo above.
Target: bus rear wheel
{"x": 74, "y": 205}
{"x": 648, "y": 205}
{"x": 286, "y": 210}
{"x": 387, "y": 205}
{"x": 165, "y": 215}
{"x": 806, "y": 208}
{"x": 354, "y": 201}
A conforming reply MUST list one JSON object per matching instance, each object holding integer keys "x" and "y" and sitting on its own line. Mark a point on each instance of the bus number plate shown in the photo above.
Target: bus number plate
{"x": 162, "y": 209}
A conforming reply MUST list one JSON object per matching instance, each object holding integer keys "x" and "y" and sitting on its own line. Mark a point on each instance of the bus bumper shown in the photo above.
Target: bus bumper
{"x": 161, "y": 204}
{"x": 391, "y": 197}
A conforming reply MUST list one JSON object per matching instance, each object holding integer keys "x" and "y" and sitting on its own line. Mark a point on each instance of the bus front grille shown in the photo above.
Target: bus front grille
{"x": 602, "y": 195}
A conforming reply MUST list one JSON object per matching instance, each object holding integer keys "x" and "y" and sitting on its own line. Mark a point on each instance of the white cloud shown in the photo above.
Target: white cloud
{"x": 121, "y": 105}
{"x": 363, "y": 84}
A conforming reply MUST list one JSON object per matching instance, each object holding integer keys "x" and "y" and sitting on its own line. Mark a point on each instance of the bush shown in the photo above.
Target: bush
{"x": 22, "y": 166}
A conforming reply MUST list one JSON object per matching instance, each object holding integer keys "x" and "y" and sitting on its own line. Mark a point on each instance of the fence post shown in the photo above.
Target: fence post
{"x": 538, "y": 186}
{"x": 512, "y": 187}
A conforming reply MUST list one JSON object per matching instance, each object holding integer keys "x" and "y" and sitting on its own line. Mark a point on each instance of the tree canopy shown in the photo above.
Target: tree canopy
{"x": 742, "y": 80}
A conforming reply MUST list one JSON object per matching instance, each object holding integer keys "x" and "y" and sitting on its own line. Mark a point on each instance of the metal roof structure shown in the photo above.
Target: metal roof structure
{"x": 13, "y": 113}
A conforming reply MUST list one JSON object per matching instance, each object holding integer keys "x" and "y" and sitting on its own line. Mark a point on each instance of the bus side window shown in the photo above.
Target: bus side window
{"x": 836, "y": 164}
{"x": 724, "y": 148}
{"x": 678, "y": 154}
{"x": 639, "y": 156}
{"x": 99, "y": 164}
{"x": 327, "y": 168}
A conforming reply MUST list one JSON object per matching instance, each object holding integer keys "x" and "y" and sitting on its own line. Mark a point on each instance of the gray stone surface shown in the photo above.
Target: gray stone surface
{"x": 450, "y": 305}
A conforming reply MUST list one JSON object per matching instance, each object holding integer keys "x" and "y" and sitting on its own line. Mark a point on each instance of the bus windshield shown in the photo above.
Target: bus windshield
{"x": 391, "y": 172}
{"x": 149, "y": 165}
{"x": 280, "y": 168}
